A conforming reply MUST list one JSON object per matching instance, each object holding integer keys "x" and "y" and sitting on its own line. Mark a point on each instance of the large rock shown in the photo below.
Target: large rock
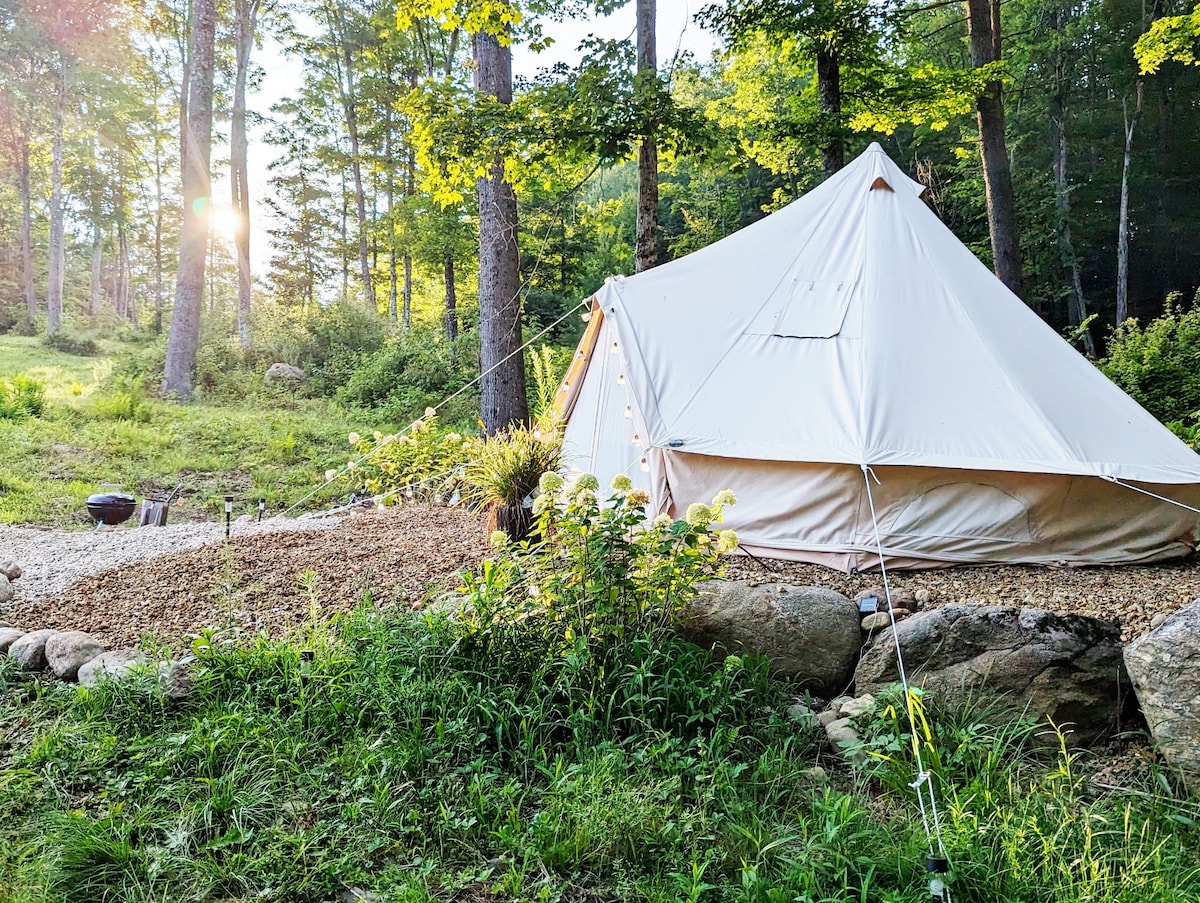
{"x": 1064, "y": 667}
{"x": 6, "y": 589}
{"x": 1164, "y": 666}
{"x": 67, "y": 651}
{"x": 809, "y": 633}
{"x": 116, "y": 665}
{"x": 29, "y": 652}
{"x": 285, "y": 374}
{"x": 8, "y": 636}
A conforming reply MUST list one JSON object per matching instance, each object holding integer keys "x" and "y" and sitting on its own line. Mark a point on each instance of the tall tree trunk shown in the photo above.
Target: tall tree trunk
{"x": 1076, "y": 303}
{"x": 393, "y": 290}
{"x": 54, "y": 301}
{"x": 97, "y": 295}
{"x": 646, "y": 250}
{"x": 829, "y": 100}
{"x": 983, "y": 22}
{"x": 245, "y": 25}
{"x": 348, "y": 91}
{"x": 1123, "y": 221}
{"x": 409, "y": 189}
{"x": 184, "y": 338}
{"x": 502, "y": 364}
{"x": 451, "y": 298}
{"x": 159, "y": 288}
{"x": 27, "y": 232}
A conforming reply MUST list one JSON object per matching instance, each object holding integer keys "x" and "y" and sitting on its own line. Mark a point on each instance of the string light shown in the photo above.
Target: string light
{"x": 637, "y": 440}
{"x": 613, "y": 349}
{"x": 645, "y": 465}
{"x": 620, "y": 379}
{"x": 628, "y": 412}
{"x": 585, "y": 316}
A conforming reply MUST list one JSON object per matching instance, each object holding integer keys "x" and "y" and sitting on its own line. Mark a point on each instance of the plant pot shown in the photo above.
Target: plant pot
{"x": 515, "y": 520}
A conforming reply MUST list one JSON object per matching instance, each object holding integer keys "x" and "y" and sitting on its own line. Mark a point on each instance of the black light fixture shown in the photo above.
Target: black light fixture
{"x": 228, "y": 514}
{"x": 262, "y": 506}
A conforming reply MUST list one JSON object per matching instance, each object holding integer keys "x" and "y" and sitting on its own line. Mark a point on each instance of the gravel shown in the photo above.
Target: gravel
{"x": 51, "y": 560}
{"x": 267, "y": 581}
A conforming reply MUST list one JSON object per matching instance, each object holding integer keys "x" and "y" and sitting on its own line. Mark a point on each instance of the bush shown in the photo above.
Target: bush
{"x": 69, "y": 344}
{"x": 21, "y": 397}
{"x": 412, "y": 372}
{"x": 1159, "y": 364}
{"x": 336, "y": 341}
{"x": 8, "y": 319}
{"x": 424, "y": 463}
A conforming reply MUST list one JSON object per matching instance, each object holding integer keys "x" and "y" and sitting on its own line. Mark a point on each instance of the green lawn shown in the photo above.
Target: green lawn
{"x": 98, "y": 429}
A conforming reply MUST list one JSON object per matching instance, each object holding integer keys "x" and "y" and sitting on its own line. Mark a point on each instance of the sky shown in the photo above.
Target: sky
{"x": 284, "y": 73}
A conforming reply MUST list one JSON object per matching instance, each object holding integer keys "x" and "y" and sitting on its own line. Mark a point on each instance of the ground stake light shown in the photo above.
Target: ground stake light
{"x": 228, "y": 514}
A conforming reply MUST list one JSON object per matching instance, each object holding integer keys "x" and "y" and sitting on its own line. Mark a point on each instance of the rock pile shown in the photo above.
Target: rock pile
{"x": 74, "y": 655}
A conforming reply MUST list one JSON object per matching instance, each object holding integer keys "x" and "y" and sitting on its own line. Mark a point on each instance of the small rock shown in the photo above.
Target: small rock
{"x": 836, "y": 704}
{"x": 29, "y": 652}
{"x": 175, "y": 679}
{"x": 358, "y": 895}
{"x": 8, "y": 636}
{"x": 827, "y": 717}
{"x": 800, "y": 713}
{"x": 10, "y": 569}
{"x": 1157, "y": 621}
{"x": 859, "y": 706}
{"x": 816, "y": 774}
{"x": 67, "y": 651}
{"x": 923, "y": 597}
{"x": 6, "y": 589}
{"x": 900, "y": 614}
{"x": 114, "y": 665}
{"x": 841, "y": 724}
{"x": 878, "y": 621}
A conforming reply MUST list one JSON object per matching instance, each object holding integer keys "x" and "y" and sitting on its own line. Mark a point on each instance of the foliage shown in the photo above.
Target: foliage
{"x": 337, "y": 340}
{"x": 1159, "y": 364}
{"x": 1169, "y": 39}
{"x": 423, "y": 462}
{"x": 506, "y": 468}
{"x": 68, "y": 344}
{"x": 21, "y": 396}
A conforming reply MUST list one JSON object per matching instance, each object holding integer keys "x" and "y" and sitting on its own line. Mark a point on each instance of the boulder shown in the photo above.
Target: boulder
{"x": 115, "y": 665}
{"x": 29, "y": 652}
{"x": 901, "y": 598}
{"x": 1064, "y": 667}
{"x": 67, "y": 651}
{"x": 285, "y": 374}
{"x": 8, "y": 636}
{"x": 10, "y": 569}
{"x": 809, "y": 633}
{"x": 6, "y": 590}
{"x": 1164, "y": 666}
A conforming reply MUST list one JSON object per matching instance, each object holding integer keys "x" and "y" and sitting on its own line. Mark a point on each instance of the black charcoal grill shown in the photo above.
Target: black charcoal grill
{"x": 110, "y": 508}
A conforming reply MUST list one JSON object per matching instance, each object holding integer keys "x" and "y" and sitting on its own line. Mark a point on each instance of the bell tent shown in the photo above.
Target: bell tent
{"x": 847, "y": 362}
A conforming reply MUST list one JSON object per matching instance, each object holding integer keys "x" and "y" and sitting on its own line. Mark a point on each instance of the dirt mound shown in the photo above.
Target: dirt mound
{"x": 257, "y": 582}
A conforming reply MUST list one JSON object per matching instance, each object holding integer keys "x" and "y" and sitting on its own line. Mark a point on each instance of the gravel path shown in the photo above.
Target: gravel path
{"x": 54, "y": 559}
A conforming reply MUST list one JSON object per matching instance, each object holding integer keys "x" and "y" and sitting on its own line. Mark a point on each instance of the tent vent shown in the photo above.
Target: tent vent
{"x": 880, "y": 182}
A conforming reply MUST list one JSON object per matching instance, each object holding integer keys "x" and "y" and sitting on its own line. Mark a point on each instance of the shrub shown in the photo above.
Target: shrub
{"x": 8, "y": 319}
{"x": 336, "y": 341}
{"x": 21, "y": 397}
{"x": 69, "y": 344}
{"x": 1159, "y": 364}
{"x": 423, "y": 463}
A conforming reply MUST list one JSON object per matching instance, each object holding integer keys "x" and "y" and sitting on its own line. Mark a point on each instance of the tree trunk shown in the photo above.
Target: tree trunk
{"x": 502, "y": 365}
{"x": 646, "y": 251}
{"x": 406, "y": 315}
{"x": 1076, "y": 303}
{"x": 97, "y": 259}
{"x": 124, "y": 277}
{"x": 54, "y": 301}
{"x": 393, "y": 290}
{"x": 26, "y": 232}
{"x": 1123, "y": 221}
{"x": 410, "y": 181}
{"x": 158, "y": 227}
{"x": 349, "y": 98}
{"x": 983, "y": 22}
{"x": 829, "y": 94}
{"x": 245, "y": 25}
{"x": 184, "y": 338}
{"x": 451, "y": 298}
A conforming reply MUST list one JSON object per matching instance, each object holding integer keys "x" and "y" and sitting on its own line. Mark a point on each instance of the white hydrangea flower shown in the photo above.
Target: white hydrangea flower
{"x": 727, "y": 541}
{"x": 662, "y": 521}
{"x": 354, "y": 438}
{"x": 430, "y": 413}
{"x": 330, "y": 475}
{"x": 621, "y": 483}
{"x": 585, "y": 496}
{"x": 587, "y": 481}
{"x": 724, "y": 497}
{"x": 698, "y": 514}
{"x": 638, "y": 498}
{"x": 351, "y": 465}
{"x": 550, "y": 482}
{"x": 498, "y": 539}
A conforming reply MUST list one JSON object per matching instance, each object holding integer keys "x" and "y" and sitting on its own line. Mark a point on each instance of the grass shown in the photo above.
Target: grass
{"x": 415, "y": 762}
{"x": 98, "y": 428}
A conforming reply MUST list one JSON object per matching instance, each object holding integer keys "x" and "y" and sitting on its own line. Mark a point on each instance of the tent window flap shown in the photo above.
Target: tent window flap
{"x": 815, "y": 310}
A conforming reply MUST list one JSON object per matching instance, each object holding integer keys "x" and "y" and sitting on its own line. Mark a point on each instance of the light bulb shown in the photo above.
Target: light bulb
{"x": 637, "y": 440}
{"x": 621, "y": 379}
{"x": 585, "y": 316}
{"x": 645, "y": 465}
{"x": 628, "y": 412}
{"x": 613, "y": 349}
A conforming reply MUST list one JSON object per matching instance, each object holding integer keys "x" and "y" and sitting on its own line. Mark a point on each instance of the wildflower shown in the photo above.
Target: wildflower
{"x": 550, "y": 482}
{"x": 638, "y": 498}
{"x": 430, "y": 413}
{"x": 724, "y": 497}
{"x": 330, "y": 475}
{"x": 621, "y": 483}
{"x": 698, "y": 514}
{"x": 351, "y": 465}
{"x": 703, "y": 540}
{"x": 587, "y": 481}
{"x": 727, "y": 541}
{"x": 498, "y": 539}
{"x": 453, "y": 437}
{"x": 354, "y": 438}
{"x": 417, "y": 426}
{"x": 377, "y": 436}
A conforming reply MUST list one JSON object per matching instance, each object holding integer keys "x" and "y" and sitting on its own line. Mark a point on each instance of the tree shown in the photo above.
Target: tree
{"x": 184, "y": 337}
{"x": 646, "y": 255}
{"x": 245, "y": 25}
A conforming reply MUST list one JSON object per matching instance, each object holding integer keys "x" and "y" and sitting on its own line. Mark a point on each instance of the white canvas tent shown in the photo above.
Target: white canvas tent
{"x": 852, "y": 330}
